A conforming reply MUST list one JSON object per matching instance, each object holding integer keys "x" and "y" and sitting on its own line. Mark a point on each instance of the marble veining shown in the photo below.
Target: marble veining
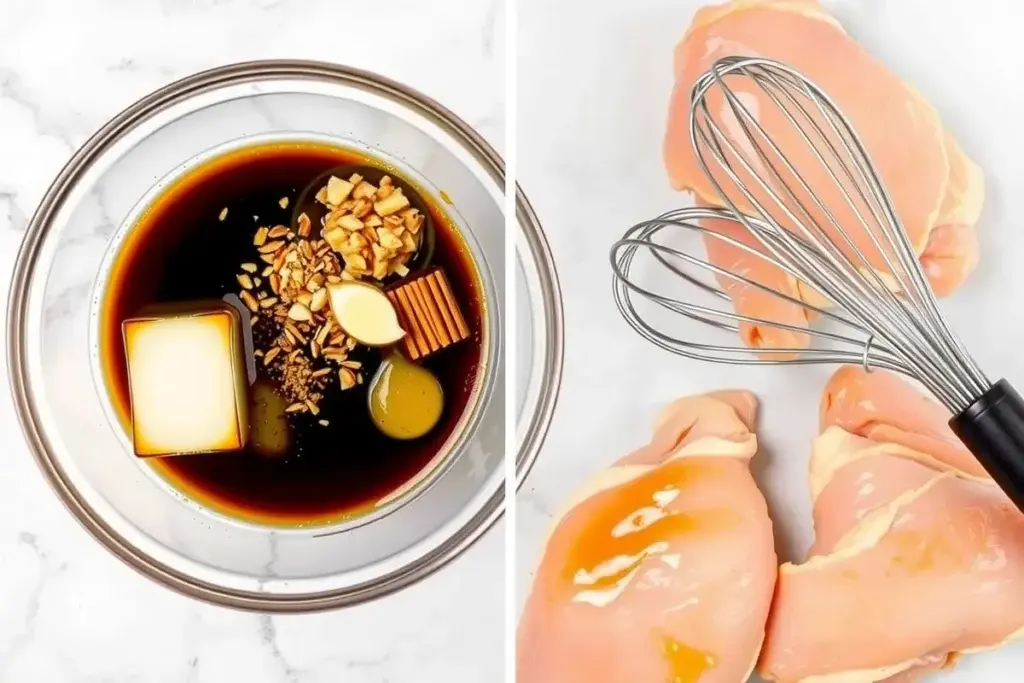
{"x": 70, "y": 611}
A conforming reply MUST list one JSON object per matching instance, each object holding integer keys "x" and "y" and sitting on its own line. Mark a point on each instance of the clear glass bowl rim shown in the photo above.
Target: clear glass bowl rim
{"x": 545, "y": 375}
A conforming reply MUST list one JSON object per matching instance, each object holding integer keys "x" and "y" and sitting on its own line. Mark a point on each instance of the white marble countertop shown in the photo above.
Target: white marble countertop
{"x": 69, "y": 611}
{"x": 590, "y": 162}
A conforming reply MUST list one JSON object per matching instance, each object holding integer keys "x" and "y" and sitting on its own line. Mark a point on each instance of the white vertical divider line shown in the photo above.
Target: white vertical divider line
{"x": 511, "y": 232}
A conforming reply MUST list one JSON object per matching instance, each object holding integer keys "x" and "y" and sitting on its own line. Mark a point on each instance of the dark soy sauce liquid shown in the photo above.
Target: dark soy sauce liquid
{"x": 181, "y": 251}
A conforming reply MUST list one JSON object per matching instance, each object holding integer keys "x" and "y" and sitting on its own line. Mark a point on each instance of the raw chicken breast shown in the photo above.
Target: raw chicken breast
{"x": 752, "y": 301}
{"x": 883, "y": 407}
{"x": 914, "y": 563}
{"x": 848, "y": 466}
{"x": 662, "y": 567}
{"x": 938, "y": 191}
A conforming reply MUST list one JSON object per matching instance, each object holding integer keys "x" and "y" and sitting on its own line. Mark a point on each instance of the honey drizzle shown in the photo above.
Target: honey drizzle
{"x": 686, "y": 664}
{"x": 636, "y": 521}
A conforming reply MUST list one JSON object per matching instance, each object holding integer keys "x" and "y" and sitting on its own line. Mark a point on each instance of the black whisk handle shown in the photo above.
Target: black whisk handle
{"x": 993, "y": 429}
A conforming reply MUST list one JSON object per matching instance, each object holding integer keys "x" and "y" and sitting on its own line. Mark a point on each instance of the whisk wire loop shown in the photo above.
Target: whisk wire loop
{"x": 837, "y": 238}
{"x": 845, "y": 348}
{"x": 855, "y": 273}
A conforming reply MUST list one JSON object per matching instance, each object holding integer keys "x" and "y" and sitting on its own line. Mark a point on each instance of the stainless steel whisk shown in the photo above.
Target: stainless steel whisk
{"x": 874, "y": 290}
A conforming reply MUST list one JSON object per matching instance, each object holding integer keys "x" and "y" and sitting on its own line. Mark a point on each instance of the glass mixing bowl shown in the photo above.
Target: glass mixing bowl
{"x": 64, "y": 410}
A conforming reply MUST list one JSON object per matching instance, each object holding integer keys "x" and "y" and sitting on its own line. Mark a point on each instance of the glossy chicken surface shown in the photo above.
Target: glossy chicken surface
{"x": 915, "y": 561}
{"x": 662, "y": 567}
{"x": 937, "y": 190}
{"x": 885, "y": 408}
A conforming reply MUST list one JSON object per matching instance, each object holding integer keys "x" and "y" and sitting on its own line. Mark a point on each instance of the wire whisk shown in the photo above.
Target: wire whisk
{"x": 717, "y": 313}
{"x": 806, "y": 233}
{"x": 873, "y": 286}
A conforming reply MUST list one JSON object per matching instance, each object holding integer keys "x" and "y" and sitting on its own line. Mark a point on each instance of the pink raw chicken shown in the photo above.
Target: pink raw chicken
{"x": 883, "y": 407}
{"x": 662, "y": 567}
{"x": 896, "y": 530}
{"x": 937, "y": 190}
